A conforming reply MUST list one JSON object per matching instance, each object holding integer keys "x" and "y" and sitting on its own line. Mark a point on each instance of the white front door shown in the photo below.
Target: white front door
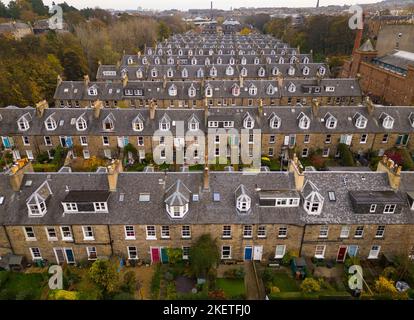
{"x": 374, "y": 252}
{"x": 257, "y": 253}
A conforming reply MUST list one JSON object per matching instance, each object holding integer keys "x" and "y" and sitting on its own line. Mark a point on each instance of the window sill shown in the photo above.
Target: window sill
{"x": 151, "y": 239}
{"x": 226, "y": 238}
{"x": 130, "y": 239}
{"x": 186, "y": 238}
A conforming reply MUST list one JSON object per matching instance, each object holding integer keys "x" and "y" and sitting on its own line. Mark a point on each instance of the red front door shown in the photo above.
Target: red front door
{"x": 155, "y": 255}
{"x": 341, "y": 254}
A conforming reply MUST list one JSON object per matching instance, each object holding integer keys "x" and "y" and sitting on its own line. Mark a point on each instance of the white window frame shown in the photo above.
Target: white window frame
{"x": 26, "y": 233}
{"x": 49, "y": 237}
{"x": 151, "y": 232}
{"x": 186, "y": 232}
{"x": 228, "y": 248}
{"x": 131, "y": 249}
{"x": 379, "y": 233}
{"x": 359, "y": 232}
{"x": 34, "y": 255}
{"x": 226, "y": 234}
{"x": 67, "y": 237}
{"x": 86, "y": 233}
{"x": 324, "y": 231}
{"x": 282, "y": 232}
{"x": 390, "y": 208}
{"x": 374, "y": 253}
{"x": 345, "y": 232}
{"x": 128, "y": 229}
{"x": 320, "y": 251}
{"x": 280, "y": 255}
{"x": 90, "y": 251}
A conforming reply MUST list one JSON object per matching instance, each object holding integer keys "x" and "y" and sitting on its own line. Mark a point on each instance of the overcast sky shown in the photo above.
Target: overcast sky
{"x": 190, "y": 4}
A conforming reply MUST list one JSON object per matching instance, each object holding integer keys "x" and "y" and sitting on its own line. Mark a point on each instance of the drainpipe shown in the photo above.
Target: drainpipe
{"x": 301, "y": 242}
{"x": 8, "y": 239}
{"x": 110, "y": 240}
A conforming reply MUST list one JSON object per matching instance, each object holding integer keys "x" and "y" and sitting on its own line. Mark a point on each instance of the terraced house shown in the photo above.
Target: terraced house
{"x": 193, "y": 70}
{"x": 104, "y": 132}
{"x": 68, "y": 217}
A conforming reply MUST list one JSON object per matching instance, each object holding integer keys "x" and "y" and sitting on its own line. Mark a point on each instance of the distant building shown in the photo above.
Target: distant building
{"x": 231, "y": 26}
{"x": 42, "y": 26}
{"x": 387, "y": 71}
{"x": 17, "y": 29}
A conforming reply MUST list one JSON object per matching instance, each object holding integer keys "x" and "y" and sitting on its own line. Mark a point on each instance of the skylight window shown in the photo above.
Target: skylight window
{"x": 196, "y": 197}
{"x": 1, "y": 200}
{"x": 216, "y": 197}
{"x": 332, "y": 196}
{"x": 144, "y": 197}
{"x": 121, "y": 197}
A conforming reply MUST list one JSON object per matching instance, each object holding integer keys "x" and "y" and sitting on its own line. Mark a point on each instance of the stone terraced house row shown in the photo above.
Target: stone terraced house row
{"x": 104, "y": 132}
{"x": 70, "y": 217}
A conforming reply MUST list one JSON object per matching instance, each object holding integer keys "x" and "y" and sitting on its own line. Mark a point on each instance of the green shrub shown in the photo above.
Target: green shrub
{"x": 287, "y": 258}
{"x": 4, "y": 277}
{"x": 123, "y": 296}
{"x": 236, "y": 273}
{"x": 156, "y": 283}
{"x": 310, "y": 285}
{"x": 346, "y": 156}
{"x": 129, "y": 282}
{"x": 390, "y": 273}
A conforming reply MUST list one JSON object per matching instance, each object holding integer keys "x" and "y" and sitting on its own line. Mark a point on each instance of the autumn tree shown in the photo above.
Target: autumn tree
{"x": 204, "y": 255}
{"x": 105, "y": 275}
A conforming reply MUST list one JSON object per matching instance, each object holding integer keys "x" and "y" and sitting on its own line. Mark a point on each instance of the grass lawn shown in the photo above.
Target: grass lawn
{"x": 284, "y": 282}
{"x": 231, "y": 287}
{"x": 22, "y": 285}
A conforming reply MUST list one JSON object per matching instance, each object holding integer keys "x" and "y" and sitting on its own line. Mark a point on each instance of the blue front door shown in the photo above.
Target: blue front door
{"x": 248, "y": 253}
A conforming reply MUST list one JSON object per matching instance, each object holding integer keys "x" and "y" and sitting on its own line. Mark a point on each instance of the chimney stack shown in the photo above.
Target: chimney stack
{"x": 86, "y": 80}
{"x": 152, "y": 108}
{"x": 393, "y": 171}
{"x": 296, "y": 167}
{"x": 97, "y": 106}
{"x": 261, "y": 107}
{"x": 370, "y": 105}
{"x": 59, "y": 80}
{"x": 40, "y": 108}
{"x": 241, "y": 81}
{"x": 315, "y": 107}
{"x": 164, "y": 81}
{"x": 125, "y": 81}
{"x": 17, "y": 171}
{"x": 113, "y": 171}
{"x": 206, "y": 173}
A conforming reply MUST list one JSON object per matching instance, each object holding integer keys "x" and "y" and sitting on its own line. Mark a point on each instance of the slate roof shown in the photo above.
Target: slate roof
{"x": 65, "y": 119}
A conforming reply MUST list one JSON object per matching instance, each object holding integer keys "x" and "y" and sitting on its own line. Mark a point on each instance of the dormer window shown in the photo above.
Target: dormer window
{"x": 275, "y": 121}
{"x": 139, "y": 74}
{"x": 248, "y": 122}
{"x": 213, "y": 72}
{"x": 275, "y": 71}
{"x": 192, "y": 91}
{"x": 138, "y": 123}
{"x": 252, "y": 90}
{"x": 360, "y": 121}
{"x": 193, "y": 123}
{"x": 219, "y": 60}
{"x": 209, "y": 91}
{"x": 281, "y": 60}
{"x": 170, "y": 73}
{"x": 36, "y": 204}
{"x": 180, "y": 52}
{"x": 157, "y": 60}
{"x": 200, "y": 52}
{"x": 270, "y": 90}
{"x": 207, "y": 61}
{"x": 130, "y": 60}
{"x": 144, "y": 60}
{"x": 291, "y": 71}
{"x": 170, "y": 61}
{"x": 330, "y": 121}
{"x": 109, "y": 122}
{"x": 306, "y": 71}
{"x": 165, "y": 123}
{"x": 292, "y": 88}
{"x": 304, "y": 121}
{"x": 177, "y": 198}
{"x": 313, "y": 201}
{"x": 92, "y": 91}
{"x": 184, "y": 73}
{"x": 172, "y": 91}
{"x": 50, "y": 123}
{"x": 411, "y": 119}
{"x": 23, "y": 122}
{"x": 200, "y": 73}
{"x": 232, "y": 61}
{"x": 293, "y": 59}
{"x": 154, "y": 73}
{"x": 235, "y": 90}
{"x": 261, "y": 72}
{"x": 256, "y": 60}
{"x": 322, "y": 70}
{"x": 243, "y": 200}
{"x": 305, "y": 60}
{"x": 229, "y": 71}
{"x": 243, "y": 61}
{"x": 387, "y": 121}
{"x": 81, "y": 124}
{"x": 243, "y": 72}
{"x": 194, "y": 61}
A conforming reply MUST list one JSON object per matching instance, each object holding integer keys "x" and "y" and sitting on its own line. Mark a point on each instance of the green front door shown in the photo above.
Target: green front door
{"x": 164, "y": 255}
